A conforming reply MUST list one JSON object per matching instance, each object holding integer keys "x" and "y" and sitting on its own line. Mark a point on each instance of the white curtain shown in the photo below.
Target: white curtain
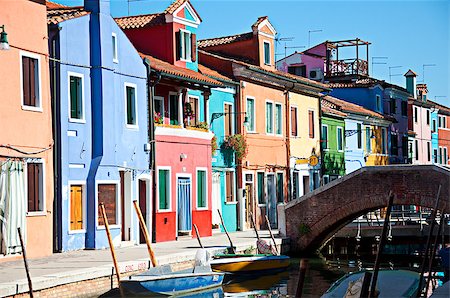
{"x": 12, "y": 206}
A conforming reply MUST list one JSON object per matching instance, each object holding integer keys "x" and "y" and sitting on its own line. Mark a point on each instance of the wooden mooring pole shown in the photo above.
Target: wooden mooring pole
{"x": 146, "y": 234}
{"x": 24, "y": 255}
{"x": 301, "y": 277}
{"x": 198, "y": 236}
{"x": 271, "y": 235}
{"x": 111, "y": 246}
{"x": 232, "y": 249}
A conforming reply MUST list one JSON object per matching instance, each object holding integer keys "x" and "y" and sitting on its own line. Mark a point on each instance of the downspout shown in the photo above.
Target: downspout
{"x": 151, "y": 138}
{"x": 288, "y": 142}
{"x": 56, "y": 130}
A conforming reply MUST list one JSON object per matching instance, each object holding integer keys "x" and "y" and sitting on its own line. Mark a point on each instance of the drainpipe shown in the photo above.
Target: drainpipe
{"x": 151, "y": 138}
{"x": 288, "y": 140}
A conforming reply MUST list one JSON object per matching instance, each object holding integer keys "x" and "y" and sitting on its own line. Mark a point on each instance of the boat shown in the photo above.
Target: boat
{"x": 391, "y": 283}
{"x": 248, "y": 263}
{"x": 162, "y": 280}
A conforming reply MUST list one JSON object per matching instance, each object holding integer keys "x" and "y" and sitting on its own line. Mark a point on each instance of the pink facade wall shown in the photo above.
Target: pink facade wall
{"x": 423, "y": 134}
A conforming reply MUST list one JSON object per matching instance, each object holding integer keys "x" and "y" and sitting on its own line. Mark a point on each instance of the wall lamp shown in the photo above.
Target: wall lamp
{"x": 4, "y": 45}
{"x": 215, "y": 116}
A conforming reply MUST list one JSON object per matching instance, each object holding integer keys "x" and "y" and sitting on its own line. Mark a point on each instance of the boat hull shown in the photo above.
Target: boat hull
{"x": 249, "y": 264}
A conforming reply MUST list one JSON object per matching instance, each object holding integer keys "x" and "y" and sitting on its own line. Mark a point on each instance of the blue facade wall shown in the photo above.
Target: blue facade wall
{"x": 434, "y": 136}
{"x": 93, "y": 152}
{"x": 365, "y": 97}
{"x": 354, "y": 156}
{"x": 222, "y": 161}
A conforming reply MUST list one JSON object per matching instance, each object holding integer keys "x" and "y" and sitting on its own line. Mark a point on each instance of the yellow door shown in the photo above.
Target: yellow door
{"x": 76, "y": 207}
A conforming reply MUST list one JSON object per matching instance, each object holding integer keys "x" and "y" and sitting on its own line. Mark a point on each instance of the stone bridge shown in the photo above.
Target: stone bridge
{"x": 315, "y": 217}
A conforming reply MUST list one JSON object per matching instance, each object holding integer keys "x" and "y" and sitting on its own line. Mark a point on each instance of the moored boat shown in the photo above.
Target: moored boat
{"x": 246, "y": 263}
{"x": 163, "y": 281}
{"x": 391, "y": 283}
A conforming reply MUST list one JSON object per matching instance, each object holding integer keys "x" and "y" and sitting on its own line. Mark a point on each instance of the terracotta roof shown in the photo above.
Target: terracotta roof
{"x": 167, "y": 68}
{"x": 259, "y": 21}
{"x": 353, "y": 108}
{"x": 364, "y": 83}
{"x": 174, "y": 6}
{"x": 141, "y": 21}
{"x": 53, "y": 5}
{"x": 212, "y": 73}
{"x": 329, "y": 107}
{"x": 442, "y": 108}
{"x": 210, "y": 42}
{"x": 57, "y": 15}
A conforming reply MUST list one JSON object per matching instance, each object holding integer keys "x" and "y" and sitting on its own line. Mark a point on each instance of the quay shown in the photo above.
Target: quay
{"x": 87, "y": 273}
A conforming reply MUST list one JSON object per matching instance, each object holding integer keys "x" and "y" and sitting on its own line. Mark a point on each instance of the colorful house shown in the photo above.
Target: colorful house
{"x": 26, "y": 144}
{"x": 100, "y": 94}
{"x": 419, "y": 122}
{"x": 180, "y": 133}
{"x": 264, "y": 101}
{"x": 332, "y": 141}
{"x": 443, "y": 134}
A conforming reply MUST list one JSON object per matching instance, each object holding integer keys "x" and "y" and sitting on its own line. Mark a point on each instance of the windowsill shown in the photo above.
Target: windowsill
{"x": 202, "y": 209}
{"x": 326, "y": 149}
{"x": 32, "y": 109}
{"x": 261, "y": 205}
{"x": 36, "y": 213}
{"x": 279, "y": 135}
{"x": 80, "y": 121}
{"x": 231, "y": 203}
{"x": 116, "y": 61}
{"x": 186, "y": 60}
{"x": 164, "y": 210}
{"x": 133, "y": 127}
{"x": 114, "y": 226}
{"x": 72, "y": 232}
{"x": 252, "y": 132}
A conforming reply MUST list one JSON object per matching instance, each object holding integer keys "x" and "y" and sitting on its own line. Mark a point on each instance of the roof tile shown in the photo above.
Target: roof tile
{"x": 212, "y": 73}
{"x": 353, "y": 108}
{"x": 56, "y": 15}
{"x": 141, "y": 21}
{"x": 210, "y": 42}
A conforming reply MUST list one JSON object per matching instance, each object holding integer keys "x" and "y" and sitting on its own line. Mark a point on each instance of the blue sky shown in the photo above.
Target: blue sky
{"x": 409, "y": 33}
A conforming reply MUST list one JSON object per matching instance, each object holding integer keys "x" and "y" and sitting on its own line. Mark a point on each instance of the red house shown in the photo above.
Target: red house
{"x": 180, "y": 136}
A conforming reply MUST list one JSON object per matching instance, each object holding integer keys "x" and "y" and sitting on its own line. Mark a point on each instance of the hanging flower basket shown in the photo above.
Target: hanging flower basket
{"x": 214, "y": 145}
{"x": 237, "y": 143}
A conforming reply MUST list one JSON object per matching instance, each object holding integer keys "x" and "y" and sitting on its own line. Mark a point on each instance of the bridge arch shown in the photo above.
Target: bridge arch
{"x": 315, "y": 217}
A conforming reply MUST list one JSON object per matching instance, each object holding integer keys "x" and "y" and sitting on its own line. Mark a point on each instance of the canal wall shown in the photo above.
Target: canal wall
{"x": 90, "y": 280}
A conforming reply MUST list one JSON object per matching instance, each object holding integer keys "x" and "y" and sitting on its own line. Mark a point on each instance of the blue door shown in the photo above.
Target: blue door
{"x": 271, "y": 200}
{"x": 184, "y": 205}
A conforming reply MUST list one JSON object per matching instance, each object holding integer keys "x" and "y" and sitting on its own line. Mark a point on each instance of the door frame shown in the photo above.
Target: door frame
{"x": 274, "y": 190}
{"x": 254, "y": 205}
{"x": 177, "y": 176}
{"x": 147, "y": 178}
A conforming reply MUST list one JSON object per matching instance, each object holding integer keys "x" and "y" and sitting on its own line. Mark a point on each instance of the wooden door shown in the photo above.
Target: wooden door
{"x": 76, "y": 208}
{"x": 143, "y": 206}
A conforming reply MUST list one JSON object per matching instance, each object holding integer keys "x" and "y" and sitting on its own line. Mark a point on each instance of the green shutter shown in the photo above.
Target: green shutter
{"x": 261, "y": 188}
{"x": 280, "y": 187}
{"x": 131, "y": 109}
{"x": 73, "y": 97}
{"x": 201, "y": 196}
{"x": 163, "y": 202}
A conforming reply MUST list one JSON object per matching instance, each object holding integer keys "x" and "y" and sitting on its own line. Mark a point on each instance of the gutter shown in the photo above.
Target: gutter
{"x": 151, "y": 137}
{"x": 187, "y": 79}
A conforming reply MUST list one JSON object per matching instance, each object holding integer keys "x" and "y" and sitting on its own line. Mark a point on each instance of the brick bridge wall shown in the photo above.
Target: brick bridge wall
{"x": 315, "y": 217}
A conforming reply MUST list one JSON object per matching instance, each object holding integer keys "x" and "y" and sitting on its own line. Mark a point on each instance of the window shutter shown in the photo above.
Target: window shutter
{"x": 294, "y": 121}
{"x": 26, "y": 81}
{"x": 178, "y": 44}
{"x": 31, "y": 187}
{"x": 33, "y": 81}
{"x": 162, "y": 190}
{"x": 193, "y": 47}
{"x": 107, "y": 195}
{"x": 311, "y": 124}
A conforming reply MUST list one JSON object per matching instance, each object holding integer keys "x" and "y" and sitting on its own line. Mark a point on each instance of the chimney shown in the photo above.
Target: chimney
{"x": 98, "y": 6}
{"x": 411, "y": 82}
{"x": 422, "y": 92}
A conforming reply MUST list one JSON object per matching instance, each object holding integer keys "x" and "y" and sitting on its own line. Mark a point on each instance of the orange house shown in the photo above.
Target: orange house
{"x": 261, "y": 108}
{"x": 26, "y": 155}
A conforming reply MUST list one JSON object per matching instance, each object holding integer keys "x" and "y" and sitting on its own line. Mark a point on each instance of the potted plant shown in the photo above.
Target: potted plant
{"x": 238, "y": 144}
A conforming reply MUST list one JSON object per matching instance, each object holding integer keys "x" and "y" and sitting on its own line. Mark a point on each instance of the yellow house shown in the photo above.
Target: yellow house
{"x": 376, "y": 145}
{"x": 304, "y": 141}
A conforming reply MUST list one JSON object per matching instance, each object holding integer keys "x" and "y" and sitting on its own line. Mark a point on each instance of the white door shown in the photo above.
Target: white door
{"x": 216, "y": 198}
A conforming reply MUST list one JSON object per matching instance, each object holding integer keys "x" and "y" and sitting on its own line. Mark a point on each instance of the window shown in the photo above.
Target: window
{"x": 114, "y": 48}
{"x": 340, "y": 139}
{"x": 297, "y": 70}
{"x": 164, "y": 189}
{"x": 269, "y": 117}
{"x": 444, "y": 122}
{"x": 159, "y": 107}
{"x": 229, "y": 181}
{"x": 76, "y": 97}
{"x": 440, "y": 155}
{"x": 261, "y": 195}
{"x": 325, "y": 179}
{"x": 294, "y": 131}
{"x": 324, "y": 140}
{"x": 445, "y": 158}
{"x": 191, "y": 111}
{"x": 251, "y": 114}
{"x": 186, "y": 45}
{"x": 76, "y": 207}
{"x": 280, "y": 188}
{"x": 405, "y": 146}
{"x": 266, "y": 53}
{"x": 428, "y": 151}
{"x": 393, "y": 106}
{"x": 435, "y": 155}
{"x": 107, "y": 194}
{"x": 404, "y": 108}
{"x": 368, "y": 140}
{"x": 440, "y": 121}
{"x": 228, "y": 110}
{"x": 378, "y": 102}
{"x": 394, "y": 145}
{"x": 428, "y": 117}
{"x": 35, "y": 187}
{"x": 174, "y": 109}
{"x": 383, "y": 141}
{"x": 359, "y": 135}
{"x": 417, "y": 149}
{"x": 31, "y": 96}
{"x": 416, "y": 114}
{"x": 295, "y": 185}
{"x": 311, "y": 124}
{"x": 130, "y": 90}
{"x": 201, "y": 189}
{"x": 278, "y": 119}
{"x": 433, "y": 126}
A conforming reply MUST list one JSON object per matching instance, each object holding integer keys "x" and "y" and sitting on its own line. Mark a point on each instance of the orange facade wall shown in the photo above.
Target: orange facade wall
{"x": 21, "y": 128}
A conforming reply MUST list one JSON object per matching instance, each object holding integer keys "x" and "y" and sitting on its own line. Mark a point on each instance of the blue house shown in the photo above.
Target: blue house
{"x": 222, "y": 115}
{"x": 99, "y": 93}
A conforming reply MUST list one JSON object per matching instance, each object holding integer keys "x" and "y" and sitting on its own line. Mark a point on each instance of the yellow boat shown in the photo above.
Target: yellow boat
{"x": 243, "y": 263}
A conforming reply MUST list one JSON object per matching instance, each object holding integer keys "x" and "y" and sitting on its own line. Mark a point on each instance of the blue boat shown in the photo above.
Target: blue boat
{"x": 162, "y": 280}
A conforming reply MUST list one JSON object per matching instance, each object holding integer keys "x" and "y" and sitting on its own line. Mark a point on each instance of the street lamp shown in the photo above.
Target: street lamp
{"x": 4, "y": 45}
